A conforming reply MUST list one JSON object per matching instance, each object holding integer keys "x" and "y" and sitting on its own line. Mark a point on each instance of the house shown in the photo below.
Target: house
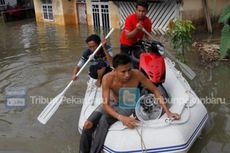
{"x": 11, "y": 10}
{"x": 112, "y": 13}
{"x": 13, "y": 3}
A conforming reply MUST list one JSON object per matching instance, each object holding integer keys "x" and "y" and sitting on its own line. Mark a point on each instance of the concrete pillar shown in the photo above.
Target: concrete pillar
{"x": 38, "y": 11}
{"x": 114, "y": 17}
{"x": 69, "y": 11}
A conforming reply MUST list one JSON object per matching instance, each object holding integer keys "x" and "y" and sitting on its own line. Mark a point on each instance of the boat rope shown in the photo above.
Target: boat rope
{"x": 143, "y": 147}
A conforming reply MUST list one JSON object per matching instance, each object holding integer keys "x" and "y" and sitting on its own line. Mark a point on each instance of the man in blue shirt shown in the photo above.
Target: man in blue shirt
{"x": 101, "y": 62}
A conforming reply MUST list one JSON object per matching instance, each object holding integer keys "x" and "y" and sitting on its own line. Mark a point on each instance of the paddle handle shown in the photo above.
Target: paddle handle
{"x": 147, "y": 33}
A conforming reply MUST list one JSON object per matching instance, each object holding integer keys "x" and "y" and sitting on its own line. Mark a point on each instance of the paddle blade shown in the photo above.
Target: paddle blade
{"x": 187, "y": 70}
{"x": 50, "y": 109}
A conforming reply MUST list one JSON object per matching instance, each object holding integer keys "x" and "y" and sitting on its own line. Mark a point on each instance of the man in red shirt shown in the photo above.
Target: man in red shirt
{"x": 134, "y": 23}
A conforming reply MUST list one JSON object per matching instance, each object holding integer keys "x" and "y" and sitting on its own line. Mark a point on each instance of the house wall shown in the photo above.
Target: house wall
{"x": 193, "y": 9}
{"x": 89, "y": 12}
{"x": 11, "y": 2}
{"x": 14, "y": 3}
{"x": 38, "y": 11}
{"x": 64, "y": 12}
{"x": 114, "y": 16}
{"x": 69, "y": 11}
{"x": 58, "y": 12}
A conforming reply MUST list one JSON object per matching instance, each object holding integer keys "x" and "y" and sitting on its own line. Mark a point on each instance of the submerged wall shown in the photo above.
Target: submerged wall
{"x": 193, "y": 10}
{"x": 11, "y": 2}
{"x": 64, "y": 12}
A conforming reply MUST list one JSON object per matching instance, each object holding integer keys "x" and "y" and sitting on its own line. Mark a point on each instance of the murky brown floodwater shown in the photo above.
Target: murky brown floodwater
{"x": 41, "y": 58}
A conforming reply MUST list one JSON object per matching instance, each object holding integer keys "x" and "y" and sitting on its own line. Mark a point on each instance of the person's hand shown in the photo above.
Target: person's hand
{"x": 74, "y": 77}
{"x": 100, "y": 72}
{"x": 173, "y": 115}
{"x": 139, "y": 25}
{"x": 130, "y": 122}
{"x": 103, "y": 42}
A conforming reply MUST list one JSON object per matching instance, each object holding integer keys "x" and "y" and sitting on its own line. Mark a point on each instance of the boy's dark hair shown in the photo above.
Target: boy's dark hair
{"x": 94, "y": 38}
{"x": 142, "y": 3}
{"x": 121, "y": 59}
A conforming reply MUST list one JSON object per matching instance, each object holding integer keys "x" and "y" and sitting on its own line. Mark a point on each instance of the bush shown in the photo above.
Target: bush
{"x": 225, "y": 34}
{"x": 180, "y": 34}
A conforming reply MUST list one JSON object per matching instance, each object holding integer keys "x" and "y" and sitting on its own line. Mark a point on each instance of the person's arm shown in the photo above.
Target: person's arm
{"x": 108, "y": 52}
{"x": 130, "y": 29}
{"x": 128, "y": 121}
{"x": 78, "y": 67}
{"x": 100, "y": 73}
{"x": 132, "y": 34}
{"x": 149, "y": 85}
{"x": 75, "y": 70}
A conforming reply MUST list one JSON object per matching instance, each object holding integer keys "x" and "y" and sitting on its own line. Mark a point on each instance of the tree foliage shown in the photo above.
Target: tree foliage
{"x": 180, "y": 33}
{"x": 225, "y": 34}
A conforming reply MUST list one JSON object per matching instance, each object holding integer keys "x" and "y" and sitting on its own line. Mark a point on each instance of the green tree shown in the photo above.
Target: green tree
{"x": 180, "y": 34}
{"x": 225, "y": 34}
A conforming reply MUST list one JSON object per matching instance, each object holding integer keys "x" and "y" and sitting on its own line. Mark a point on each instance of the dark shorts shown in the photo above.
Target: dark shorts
{"x": 96, "y": 66}
{"x": 124, "y": 49}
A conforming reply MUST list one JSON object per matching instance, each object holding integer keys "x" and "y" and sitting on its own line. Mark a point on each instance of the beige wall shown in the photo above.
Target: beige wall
{"x": 64, "y": 12}
{"x": 89, "y": 12}
{"x": 69, "y": 11}
{"x": 58, "y": 12}
{"x": 193, "y": 9}
{"x": 114, "y": 15}
{"x": 38, "y": 10}
{"x": 216, "y": 6}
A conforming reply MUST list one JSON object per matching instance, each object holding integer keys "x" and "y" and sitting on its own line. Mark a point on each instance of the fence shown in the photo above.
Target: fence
{"x": 160, "y": 13}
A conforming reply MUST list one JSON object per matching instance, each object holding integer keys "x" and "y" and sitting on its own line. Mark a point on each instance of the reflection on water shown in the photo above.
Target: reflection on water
{"x": 41, "y": 58}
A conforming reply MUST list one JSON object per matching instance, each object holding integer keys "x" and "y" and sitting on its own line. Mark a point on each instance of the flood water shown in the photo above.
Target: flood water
{"x": 41, "y": 58}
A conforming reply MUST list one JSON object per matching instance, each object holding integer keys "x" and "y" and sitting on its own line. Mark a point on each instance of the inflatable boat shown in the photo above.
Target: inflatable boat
{"x": 161, "y": 134}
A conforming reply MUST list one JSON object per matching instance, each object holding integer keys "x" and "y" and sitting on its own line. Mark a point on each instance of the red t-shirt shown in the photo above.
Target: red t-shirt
{"x": 130, "y": 24}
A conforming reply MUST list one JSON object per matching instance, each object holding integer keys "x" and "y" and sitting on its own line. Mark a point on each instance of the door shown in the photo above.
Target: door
{"x": 81, "y": 11}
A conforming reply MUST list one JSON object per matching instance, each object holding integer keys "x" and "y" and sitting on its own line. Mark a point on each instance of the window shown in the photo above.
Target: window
{"x": 47, "y": 10}
{"x": 2, "y": 6}
{"x": 100, "y": 13}
{"x": 2, "y": 2}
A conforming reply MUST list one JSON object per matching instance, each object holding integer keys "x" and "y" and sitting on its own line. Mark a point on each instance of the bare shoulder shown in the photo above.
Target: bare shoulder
{"x": 108, "y": 78}
{"x": 137, "y": 73}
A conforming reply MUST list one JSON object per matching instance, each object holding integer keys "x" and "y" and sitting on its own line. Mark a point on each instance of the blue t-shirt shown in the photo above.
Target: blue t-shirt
{"x": 100, "y": 55}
